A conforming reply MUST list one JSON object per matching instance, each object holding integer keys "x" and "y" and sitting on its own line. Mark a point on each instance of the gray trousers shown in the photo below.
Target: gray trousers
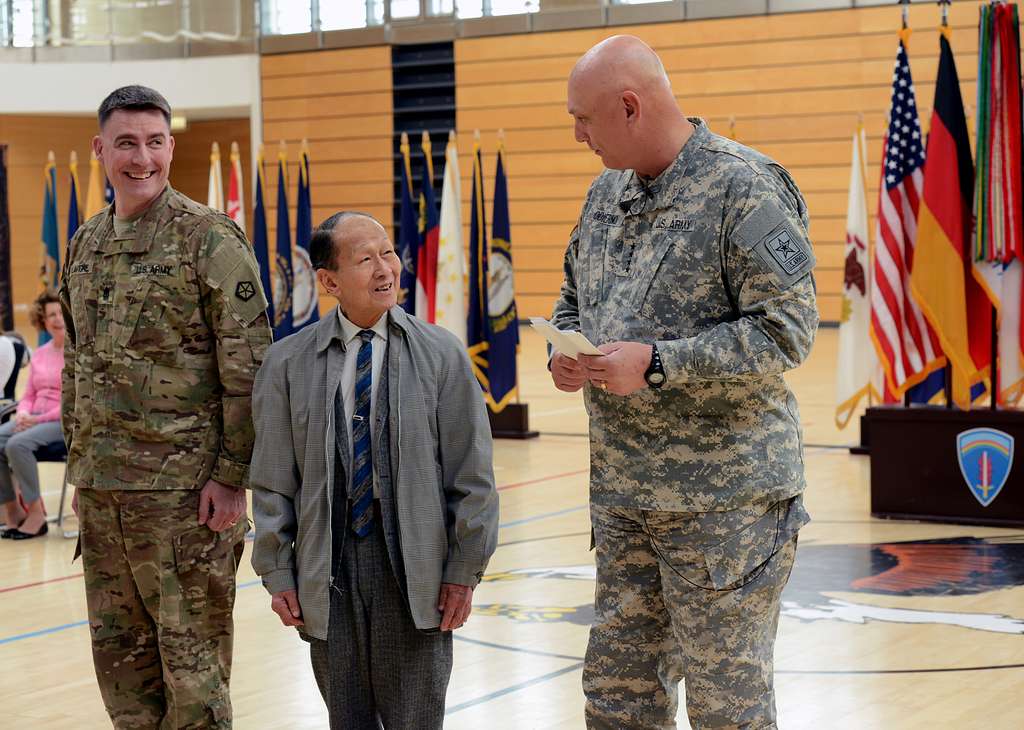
{"x": 376, "y": 668}
{"x": 17, "y": 455}
{"x": 687, "y": 596}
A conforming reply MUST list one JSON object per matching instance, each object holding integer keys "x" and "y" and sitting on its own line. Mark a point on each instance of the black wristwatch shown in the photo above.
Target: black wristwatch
{"x": 655, "y": 375}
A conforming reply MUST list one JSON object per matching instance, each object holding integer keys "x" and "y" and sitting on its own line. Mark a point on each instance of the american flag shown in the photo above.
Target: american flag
{"x": 906, "y": 344}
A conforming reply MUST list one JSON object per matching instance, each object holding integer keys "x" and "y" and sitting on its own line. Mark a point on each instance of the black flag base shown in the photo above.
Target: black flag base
{"x": 512, "y": 423}
{"x": 864, "y": 447}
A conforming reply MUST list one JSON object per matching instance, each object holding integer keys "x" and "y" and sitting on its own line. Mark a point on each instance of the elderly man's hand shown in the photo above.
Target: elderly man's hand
{"x": 286, "y": 606}
{"x": 567, "y": 373}
{"x": 621, "y": 369}
{"x": 220, "y": 506}
{"x": 455, "y": 604}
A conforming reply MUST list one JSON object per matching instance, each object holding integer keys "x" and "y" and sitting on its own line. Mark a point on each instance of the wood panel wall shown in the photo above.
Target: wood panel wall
{"x": 340, "y": 102}
{"x": 794, "y": 84}
{"x": 30, "y": 137}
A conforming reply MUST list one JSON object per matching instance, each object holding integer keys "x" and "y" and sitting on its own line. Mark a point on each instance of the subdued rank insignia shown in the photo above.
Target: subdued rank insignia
{"x": 245, "y": 291}
{"x": 790, "y": 254}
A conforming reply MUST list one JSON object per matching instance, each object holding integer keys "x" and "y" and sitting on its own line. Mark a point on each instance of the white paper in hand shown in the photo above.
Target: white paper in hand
{"x": 568, "y": 342}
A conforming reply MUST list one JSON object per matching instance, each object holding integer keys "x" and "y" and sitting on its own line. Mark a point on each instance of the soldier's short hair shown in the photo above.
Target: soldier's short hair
{"x": 37, "y": 312}
{"x": 322, "y": 253}
{"x": 134, "y": 98}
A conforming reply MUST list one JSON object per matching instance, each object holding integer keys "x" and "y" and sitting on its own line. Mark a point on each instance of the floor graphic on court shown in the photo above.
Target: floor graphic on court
{"x": 913, "y": 568}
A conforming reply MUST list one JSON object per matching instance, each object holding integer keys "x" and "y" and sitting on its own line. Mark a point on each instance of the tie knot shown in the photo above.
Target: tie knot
{"x": 366, "y": 335}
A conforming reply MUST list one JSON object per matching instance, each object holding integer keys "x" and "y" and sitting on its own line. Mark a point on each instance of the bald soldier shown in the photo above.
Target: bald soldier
{"x": 691, "y": 268}
{"x": 166, "y": 328}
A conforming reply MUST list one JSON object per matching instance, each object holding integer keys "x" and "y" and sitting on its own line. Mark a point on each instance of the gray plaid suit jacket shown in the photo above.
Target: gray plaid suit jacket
{"x": 440, "y": 443}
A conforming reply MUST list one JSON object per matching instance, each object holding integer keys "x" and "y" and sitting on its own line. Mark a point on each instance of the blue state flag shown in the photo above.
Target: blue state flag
{"x": 305, "y": 300}
{"x": 50, "y": 268}
{"x": 478, "y": 321}
{"x": 259, "y": 236}
{"x": 74, "y": 212}
{"x": 932, "y": 390}
{"x": 284, "y": 282}
{"x": 504, "y": 319}
{"x": 408, "y": 235}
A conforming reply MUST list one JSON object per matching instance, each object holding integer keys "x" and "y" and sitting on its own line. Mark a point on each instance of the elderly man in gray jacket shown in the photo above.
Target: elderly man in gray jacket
{"x": 373, "y": 488}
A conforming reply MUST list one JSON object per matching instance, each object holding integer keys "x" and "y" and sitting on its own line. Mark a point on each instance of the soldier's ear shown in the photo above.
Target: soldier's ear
{"x": 631, "y": 106}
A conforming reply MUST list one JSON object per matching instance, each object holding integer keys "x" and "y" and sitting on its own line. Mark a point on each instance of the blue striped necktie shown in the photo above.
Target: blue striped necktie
{"x": 362, "y": 469}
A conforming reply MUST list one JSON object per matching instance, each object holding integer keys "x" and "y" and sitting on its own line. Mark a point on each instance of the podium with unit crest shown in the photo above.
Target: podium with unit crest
{"x": 941, "y": 465}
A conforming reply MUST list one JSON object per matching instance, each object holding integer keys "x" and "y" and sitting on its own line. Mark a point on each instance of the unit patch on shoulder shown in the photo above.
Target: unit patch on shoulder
{"x": 786, "y": 253}
{"x": 789, "y": 253}
{"x": 245, "y": 290}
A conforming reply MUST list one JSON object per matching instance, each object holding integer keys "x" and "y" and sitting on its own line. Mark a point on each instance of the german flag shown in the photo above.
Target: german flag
{"x": 952, "y": 301}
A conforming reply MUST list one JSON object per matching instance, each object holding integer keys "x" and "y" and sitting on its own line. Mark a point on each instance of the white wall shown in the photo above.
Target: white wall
{"x": 209, "y": 87}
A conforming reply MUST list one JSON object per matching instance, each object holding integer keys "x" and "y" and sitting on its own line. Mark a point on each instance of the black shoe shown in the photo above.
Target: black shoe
{"x": 8, "y": 533}
{"x": 19, "y": 535}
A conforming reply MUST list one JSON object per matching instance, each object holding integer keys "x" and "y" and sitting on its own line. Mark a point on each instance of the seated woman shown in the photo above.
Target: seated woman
{"x": 35, "y": 424}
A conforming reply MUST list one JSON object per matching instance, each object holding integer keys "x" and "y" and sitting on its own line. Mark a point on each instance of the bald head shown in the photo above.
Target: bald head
{"x": 624, "y": 108}
{"x": 356, "y": 264}
{"x": 622, "y": 63}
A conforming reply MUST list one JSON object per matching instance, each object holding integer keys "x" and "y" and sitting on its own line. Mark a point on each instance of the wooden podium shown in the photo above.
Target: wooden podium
{"x": 916, "y": 472}
{"x": 512, "y": 423}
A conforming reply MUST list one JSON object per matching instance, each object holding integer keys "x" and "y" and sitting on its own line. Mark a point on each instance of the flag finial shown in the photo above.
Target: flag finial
{"x": 74, "y": 158}
{"x": 451, "y": 136}
{"x": 50, "y": 158}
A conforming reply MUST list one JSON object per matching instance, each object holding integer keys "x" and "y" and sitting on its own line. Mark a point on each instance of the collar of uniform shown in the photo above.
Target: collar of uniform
{"x": 664, "y": 186}
{"x": 144, "y": 231}
{"x": 329, "y": 329}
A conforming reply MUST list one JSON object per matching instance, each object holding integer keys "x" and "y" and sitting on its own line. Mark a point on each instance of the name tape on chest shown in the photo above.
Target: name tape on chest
{"x": 606, "y": 219}
{"x": 675, "y": 224}
{"x": 146, "y": 268}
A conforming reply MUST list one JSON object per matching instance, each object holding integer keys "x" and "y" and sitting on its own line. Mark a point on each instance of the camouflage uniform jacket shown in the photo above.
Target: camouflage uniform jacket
{"x": 166, "y": 329}
{"x": 711, "y": 261}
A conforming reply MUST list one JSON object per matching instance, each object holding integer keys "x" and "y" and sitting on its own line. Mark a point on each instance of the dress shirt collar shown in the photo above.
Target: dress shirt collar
{"x": 350, "y": 331}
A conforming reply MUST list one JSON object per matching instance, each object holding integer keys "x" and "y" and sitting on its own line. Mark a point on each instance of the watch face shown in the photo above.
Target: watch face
{"x": 656, "y": 378}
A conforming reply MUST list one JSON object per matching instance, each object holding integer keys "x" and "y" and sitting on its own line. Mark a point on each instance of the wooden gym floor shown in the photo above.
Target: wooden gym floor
{"x": 886, "y": 625}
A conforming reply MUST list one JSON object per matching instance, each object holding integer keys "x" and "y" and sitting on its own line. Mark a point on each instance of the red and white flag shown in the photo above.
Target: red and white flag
{"x": 235, "y": 210}
{"x": 906, "y": 344}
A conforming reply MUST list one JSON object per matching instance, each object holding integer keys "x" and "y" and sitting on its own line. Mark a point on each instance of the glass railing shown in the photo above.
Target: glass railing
{"x": 54, "y": 23}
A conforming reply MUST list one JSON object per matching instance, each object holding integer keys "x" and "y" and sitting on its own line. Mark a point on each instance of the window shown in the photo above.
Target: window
{"x": 281, "y": 17}
{"x": 405, "y": 9}
{"x": 481, "y": 8}
{"x": 22, "y": 24}
{"x": 353, "y": 14}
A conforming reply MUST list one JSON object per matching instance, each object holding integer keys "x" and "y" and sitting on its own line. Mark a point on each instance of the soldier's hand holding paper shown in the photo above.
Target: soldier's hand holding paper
{"x": 620, "y": 370}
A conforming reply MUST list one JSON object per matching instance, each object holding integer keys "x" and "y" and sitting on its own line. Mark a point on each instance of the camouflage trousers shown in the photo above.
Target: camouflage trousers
{"x": 687, "y": 596}
{"x": 160, "y": 590}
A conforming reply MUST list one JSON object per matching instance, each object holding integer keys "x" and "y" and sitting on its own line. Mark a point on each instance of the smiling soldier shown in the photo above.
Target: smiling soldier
{"x": 166, "y": 328}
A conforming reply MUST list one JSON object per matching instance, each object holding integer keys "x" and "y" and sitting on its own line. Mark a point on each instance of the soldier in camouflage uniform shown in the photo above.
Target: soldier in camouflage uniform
{"x": 166, "y": 328}
{"x": 691, "y": 268}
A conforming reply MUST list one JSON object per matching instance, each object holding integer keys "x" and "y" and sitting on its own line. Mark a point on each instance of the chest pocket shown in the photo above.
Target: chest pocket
{"x": 618, "y": 252}
{"x": 155, "y": 316}
{"x": 84, "y": 294}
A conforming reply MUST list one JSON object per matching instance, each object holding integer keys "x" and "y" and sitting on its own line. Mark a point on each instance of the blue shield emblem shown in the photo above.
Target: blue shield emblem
{"x": 986, "y": 457}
